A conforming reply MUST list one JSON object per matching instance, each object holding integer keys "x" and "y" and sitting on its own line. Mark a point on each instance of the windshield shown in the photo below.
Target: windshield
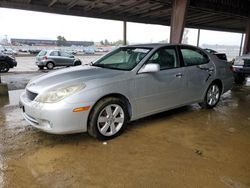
{"x": 125, "y": 58}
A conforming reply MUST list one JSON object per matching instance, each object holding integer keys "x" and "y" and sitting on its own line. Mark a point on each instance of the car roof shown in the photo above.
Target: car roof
{"x": 159, "y": 45}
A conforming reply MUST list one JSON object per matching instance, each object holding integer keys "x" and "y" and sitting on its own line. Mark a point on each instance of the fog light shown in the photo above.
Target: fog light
{"x": 47, "y": 124}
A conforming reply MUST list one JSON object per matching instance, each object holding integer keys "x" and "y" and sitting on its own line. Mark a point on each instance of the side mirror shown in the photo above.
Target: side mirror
{"x": 151, "y": 67}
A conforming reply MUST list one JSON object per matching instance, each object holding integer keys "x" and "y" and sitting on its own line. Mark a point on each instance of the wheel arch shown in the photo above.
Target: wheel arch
{"x": 50, "y": 61}
{"x": 116, "y": 95}
{"x": 220, "y": 84}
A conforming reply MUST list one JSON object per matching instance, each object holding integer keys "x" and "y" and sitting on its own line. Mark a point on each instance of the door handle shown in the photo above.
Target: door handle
{"x": 179, "y": 75}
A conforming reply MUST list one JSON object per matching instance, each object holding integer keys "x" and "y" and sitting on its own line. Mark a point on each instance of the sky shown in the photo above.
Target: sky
{"x": 37, "y": 25}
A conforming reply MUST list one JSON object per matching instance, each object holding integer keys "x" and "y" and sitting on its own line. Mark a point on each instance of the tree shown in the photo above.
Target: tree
{"x": 61, "y": 41}
{"x": 106, "y": 42}
{"x": 118, "y": 43}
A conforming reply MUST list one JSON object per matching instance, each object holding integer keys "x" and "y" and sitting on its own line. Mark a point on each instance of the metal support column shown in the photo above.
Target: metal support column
{"x": 241, "y": 43}
{"x": 246, "y": 48}
{"x": 198, "y": 38}
{"x": 124, "y": 32}
{"x": 179, "y": 9}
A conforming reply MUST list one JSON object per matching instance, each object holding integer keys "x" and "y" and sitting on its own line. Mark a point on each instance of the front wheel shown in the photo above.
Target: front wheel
{"x": 4, "y": 67}
{"x": 212, "y": 96}
{"x": 108, "y": 119}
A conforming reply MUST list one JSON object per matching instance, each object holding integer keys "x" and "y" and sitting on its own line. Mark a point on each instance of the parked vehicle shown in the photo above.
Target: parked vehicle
{"x": 124, "y": 85}
{"x": 221, "y": 56}
{"x": 241, "y": 68}
{"x": 7, "y": 62}
{"x": 89, "y": 51}
{"x": 34, "y": 51}
{"x": 55, "y": 58}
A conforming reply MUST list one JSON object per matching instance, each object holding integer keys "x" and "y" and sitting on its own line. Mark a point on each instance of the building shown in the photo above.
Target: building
{"x": 40, "y": 42}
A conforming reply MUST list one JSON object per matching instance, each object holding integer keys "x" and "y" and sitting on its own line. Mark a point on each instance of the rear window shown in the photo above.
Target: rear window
{"x": 42, "y": 53}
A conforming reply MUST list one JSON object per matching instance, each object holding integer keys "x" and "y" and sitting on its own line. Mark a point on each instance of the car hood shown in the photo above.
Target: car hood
{"x": 79, "y": 74}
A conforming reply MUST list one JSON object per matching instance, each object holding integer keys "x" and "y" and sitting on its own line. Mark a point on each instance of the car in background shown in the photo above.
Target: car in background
{"x": 55, "y": 58}
{"x": 126, "y": 84}
{"x": 241, "y": 68}
{"x": 34, "y": 51}
{"x": 89, "y": 51}
{"x": 7, "y": 62}
{"x": 10, "y": 51}
{"x": 221, "y": 56}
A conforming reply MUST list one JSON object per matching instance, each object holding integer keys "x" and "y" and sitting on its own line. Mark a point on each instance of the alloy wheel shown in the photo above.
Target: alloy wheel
{"x": 110, "y": 120}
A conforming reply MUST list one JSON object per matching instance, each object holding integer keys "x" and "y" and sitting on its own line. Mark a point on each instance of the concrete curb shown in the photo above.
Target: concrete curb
{"x": 3, "y": 89}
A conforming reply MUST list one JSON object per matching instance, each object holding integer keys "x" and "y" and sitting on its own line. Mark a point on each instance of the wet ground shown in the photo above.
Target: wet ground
{"x": 188, "y": 147}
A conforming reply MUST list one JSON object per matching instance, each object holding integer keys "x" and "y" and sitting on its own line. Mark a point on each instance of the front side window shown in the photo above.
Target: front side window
{"x": 165, "y": 57}
{"x": 193, "y": 57}
{"x": 125, "y": 58}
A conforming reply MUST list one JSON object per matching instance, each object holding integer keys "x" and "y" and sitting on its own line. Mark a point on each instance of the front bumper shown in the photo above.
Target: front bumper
{"x": 241, "y": 69}
{"x": 57, "y": 118}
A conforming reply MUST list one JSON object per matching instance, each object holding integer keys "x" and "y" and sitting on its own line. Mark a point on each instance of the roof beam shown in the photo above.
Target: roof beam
{"x": 72, "y": 4}
{"x": 52, "y": 2}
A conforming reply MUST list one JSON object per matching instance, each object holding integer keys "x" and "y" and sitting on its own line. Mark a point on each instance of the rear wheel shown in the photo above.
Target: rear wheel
{"x": 212, "y": 96}
{"x": 239, "y": 78}
{"x": 4, "y": 67}
{"x": 108, "y": 119}
{"x": 50, "y": 65}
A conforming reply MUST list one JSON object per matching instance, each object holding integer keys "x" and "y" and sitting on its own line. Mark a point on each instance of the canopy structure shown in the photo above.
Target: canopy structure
{"x": 220, "y": 15}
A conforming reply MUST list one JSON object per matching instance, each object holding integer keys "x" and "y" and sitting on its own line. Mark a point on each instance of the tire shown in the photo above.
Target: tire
{"x": 212, "y": 96}
{"x": 4, "y": 67}
{"x": 77, "y": 63}
{"x": 239, "y": 78}
{"x": 103, "y": 124}
{"x": 41, "y": 67}
{"x": 50, "y": 65}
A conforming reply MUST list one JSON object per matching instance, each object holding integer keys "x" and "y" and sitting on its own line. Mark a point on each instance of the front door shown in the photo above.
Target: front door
{"x": 162, "y": 90}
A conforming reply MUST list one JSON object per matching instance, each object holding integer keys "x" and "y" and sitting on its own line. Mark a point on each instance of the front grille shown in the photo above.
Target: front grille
{"x": 247, "y": 62}
{"x": 31, "y": 96}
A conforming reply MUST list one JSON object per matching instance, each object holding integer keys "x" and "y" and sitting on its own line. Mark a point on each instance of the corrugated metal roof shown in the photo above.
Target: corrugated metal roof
{"x": 225, "y": 15}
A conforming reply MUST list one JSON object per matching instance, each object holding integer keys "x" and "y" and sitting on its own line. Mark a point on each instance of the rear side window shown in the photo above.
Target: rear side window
{"x": 193, "y": 57}
{"x": 42, "y": 53}
{"x": 54, "y": 53}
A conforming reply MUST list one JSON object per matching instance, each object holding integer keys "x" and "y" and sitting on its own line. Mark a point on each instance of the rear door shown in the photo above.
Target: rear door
{"x": 199, "y": 70}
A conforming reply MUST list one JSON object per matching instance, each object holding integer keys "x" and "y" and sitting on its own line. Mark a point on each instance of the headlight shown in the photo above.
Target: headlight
{"x": 55, "y": 95}
{"x": 239, "y": 62}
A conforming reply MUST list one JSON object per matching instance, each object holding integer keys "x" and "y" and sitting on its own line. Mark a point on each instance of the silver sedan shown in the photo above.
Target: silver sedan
{"x": 128, "y": 83}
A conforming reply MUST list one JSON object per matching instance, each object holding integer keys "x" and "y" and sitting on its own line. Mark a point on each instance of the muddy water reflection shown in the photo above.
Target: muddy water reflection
{"x": 187, "y": 147}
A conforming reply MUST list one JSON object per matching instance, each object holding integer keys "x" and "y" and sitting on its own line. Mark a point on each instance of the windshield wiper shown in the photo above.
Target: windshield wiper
{"x": 98, "y": 65}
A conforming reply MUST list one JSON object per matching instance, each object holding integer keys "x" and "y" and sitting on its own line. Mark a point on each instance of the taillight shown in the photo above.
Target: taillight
{"x": 45, "y": 58}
